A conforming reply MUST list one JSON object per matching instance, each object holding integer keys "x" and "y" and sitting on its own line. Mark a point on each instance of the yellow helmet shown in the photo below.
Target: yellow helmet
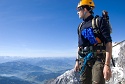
{"x": 86, "y": 2}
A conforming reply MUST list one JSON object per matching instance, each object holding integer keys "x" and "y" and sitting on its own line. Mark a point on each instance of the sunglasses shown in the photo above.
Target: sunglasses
{"x": 80, "y": 8}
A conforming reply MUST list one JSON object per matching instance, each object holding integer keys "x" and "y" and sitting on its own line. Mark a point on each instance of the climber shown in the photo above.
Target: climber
{"x": 97, "y": 41}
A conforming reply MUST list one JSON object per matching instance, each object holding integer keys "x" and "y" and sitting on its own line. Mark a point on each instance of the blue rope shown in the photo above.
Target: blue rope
{"x": 86, "y": 58}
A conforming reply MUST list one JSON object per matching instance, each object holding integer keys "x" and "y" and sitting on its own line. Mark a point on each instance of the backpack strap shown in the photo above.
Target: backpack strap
{"x": 96, "y": 24}
{"x": 79, "y": 27}
{"x": 96, "y": 21}
{"x": 93, "y": 23}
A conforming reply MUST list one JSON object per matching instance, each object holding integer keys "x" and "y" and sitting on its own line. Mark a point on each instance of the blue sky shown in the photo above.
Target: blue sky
{"x": 49, "y": 27}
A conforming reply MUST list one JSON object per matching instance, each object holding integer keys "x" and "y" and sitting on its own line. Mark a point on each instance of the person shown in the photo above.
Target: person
{"x": 94, "y": 47}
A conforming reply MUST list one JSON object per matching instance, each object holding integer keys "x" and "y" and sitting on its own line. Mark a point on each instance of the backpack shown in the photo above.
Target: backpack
{"x": 95, "y": 24}
{"x": 97, "y": 19}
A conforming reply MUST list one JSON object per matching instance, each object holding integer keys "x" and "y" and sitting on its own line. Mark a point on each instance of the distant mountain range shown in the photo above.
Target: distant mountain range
{"x": 32, "y": 70}
{"x": 13, "y": 80}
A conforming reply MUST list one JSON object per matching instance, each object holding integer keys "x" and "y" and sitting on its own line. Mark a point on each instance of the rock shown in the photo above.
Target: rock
{"x": 69, "y": 77}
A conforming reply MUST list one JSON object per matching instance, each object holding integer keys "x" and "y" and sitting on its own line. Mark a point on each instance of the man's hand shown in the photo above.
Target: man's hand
{"x": 107, "y": 72}
{"x": 76, "y": 68}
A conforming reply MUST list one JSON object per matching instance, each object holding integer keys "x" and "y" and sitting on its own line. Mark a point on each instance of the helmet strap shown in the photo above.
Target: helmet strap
{"x": 84, "y": 17}
{"x": 85, "y": 13}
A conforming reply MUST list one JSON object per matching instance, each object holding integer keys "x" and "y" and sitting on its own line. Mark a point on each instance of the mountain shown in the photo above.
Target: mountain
{"x": 53, "y": 64}
{"x": 69, "y": 77}
{"x": 16, "y": 67}
{"x": 4, "y": 59}
{"x": 22, "y": 70}
{"x": 118, "y": 72}
{"x": 13, "y": 80}
{"x": 33, "y": 70}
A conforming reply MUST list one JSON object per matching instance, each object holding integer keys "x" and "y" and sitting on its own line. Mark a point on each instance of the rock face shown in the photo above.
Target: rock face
{"x": 118, "y": 72}
{"x": 69, "y": 77}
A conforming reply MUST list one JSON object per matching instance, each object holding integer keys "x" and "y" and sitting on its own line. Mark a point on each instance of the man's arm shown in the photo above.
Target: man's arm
{"x": 105, "y": 30}
{"x": 107, "y": 69}
{"x": 108, "y": 53}
{"x": 76, "y": 68}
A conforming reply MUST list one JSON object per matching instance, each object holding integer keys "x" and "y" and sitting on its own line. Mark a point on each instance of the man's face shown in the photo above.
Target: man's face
{"x": 81, "y": 13}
